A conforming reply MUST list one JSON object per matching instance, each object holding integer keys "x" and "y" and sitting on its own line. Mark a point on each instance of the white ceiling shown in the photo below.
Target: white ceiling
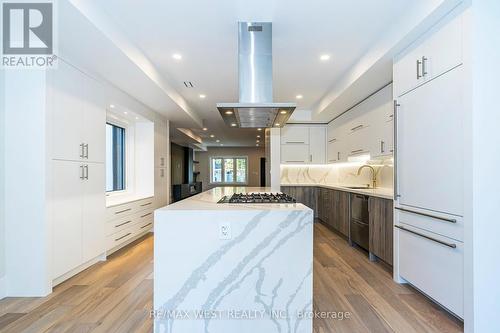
{"x": 205, "y": 34}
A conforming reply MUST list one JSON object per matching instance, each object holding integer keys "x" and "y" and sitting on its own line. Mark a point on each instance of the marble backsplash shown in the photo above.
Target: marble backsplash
{"x": 339, "y": 174}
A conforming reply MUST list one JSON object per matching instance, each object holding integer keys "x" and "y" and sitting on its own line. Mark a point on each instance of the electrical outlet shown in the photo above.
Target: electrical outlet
{"x": 225, "y": 230}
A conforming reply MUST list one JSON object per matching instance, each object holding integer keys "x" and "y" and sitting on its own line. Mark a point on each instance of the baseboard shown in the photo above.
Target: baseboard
{"x": 3, "y": 287}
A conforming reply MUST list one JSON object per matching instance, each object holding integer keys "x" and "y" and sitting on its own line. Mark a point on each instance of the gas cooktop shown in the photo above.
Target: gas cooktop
{"x": 257, "y": 198}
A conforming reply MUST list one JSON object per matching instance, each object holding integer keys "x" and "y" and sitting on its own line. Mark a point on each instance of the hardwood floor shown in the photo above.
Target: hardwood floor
{"x": 117, "y": 295}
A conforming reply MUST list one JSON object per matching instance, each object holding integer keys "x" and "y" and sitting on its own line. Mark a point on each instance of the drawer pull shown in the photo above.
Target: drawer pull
{"x": 427, "y": 215}
{"x": 122, "y": 237}
{"x": 146, "y": 215}
{"x": 356, "y": 151}
{"x": 296, "y": 161}
{"x": 357, "y": 127}
{"x": 332, "y": 140}
{"x": 295, "y": 142}
{"x": 144, "y": 226}
{"x": 146, "y": 204}
{"x": 453, "y": 246}
{"x": 123, "y": 211}
{"x": 119, "y": 225}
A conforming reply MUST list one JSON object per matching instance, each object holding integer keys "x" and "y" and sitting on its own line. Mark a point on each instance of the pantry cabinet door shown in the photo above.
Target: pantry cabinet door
{"x": 431, "y": 145}
{"x": 94, "y": 211}
{"x": 67, "y": 216}
{"x": 317, "y": 143}
{"x": 66, "y": 108}
{"x": 94, "y": 121}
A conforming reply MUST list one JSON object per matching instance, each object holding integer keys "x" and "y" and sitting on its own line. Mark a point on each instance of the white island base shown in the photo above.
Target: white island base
{"x": 233, "y": 268}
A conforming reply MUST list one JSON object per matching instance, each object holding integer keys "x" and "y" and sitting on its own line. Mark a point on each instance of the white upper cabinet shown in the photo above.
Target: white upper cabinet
{"x": 429, "y": 57}
{"x": 292, "y": 134}
{"x": 303, "y": 144}
{"x": 78, "y": 115}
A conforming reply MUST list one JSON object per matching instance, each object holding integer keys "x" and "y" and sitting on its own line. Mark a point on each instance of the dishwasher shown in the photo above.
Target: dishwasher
{"x": 359, "y": 223}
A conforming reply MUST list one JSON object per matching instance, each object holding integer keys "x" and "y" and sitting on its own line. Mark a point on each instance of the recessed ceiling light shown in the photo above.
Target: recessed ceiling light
{"x": 257, "y": 141}
{"x": 205, "y": 129}
{"x": 222, "y": 144}
{"x": 125, "y": 112}
{"x": 177, "y": 56}
{"x": 259, "y": 129}
{"x": 283, "y": 112}
{"x": 228, "y": 112}
{"x": 257, "y": 145}
{"x": 258, "y": 136}
{"x": 136, "y": 118}
{"x": 276, "y": 124}
{"x": 217, "y": 140}
{"x": 112, "y": 106}
{"x": 212, "y": 136}
{"x": 299, "y": 97}
{"x": 203, "y": 95}
{"x": 324, "y": 57}
{"x": 233, "y": 124}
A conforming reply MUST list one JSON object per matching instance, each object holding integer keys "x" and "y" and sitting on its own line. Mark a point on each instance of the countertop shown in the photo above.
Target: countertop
{"x": 385, "y": 193}
{"x": 208, "y": 201}
{"x": 121, "y": 199}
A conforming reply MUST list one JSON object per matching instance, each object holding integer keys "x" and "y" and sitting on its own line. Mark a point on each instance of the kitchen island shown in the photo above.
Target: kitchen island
{"x": 233, "y": 267}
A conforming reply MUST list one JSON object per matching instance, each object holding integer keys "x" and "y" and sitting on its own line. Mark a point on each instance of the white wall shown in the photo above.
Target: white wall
{"x": 2, "y": 184}
{"x": 486, "y": 161}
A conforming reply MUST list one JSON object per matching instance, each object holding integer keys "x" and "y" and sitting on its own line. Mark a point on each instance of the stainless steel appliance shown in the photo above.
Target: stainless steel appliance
{"x": 259, "y": 198}
{"x": 359, "y": 224}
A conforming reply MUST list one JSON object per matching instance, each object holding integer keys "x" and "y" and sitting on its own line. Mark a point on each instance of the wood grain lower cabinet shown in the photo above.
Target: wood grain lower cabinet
{"x": 340, "y": 212}
{"x": 381, "y": 228}
{"x": 303, "y": 194}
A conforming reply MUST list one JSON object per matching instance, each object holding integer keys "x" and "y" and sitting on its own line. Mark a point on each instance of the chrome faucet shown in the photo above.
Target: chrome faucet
{"x": 374, "y": 173}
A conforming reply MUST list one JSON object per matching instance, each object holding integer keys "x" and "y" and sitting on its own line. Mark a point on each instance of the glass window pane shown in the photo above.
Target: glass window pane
{"x": 115, "y": 158}
{"x": 216, "y": 170}
{"x": 241, "y": 170}
{"x": 229, "y": 170}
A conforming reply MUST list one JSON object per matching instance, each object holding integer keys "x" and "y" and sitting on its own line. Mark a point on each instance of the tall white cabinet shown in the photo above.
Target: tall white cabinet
{"x": 78, "y": 111}
{"x": 429, "y": 85}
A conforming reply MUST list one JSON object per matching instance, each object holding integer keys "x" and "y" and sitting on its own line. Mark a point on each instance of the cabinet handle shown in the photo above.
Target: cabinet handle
{"x": 122, "y": 237}
{"x": 296, "y": 161}
{"x": 119, "y": 225}
{"x": 424, "y": 72}
{"x": 395, "y": 150}
{"x": 295, "y": 142}
{"x": 146, "y": 204}
{"x": 356, "y": 151}
{"x": 82, "y": 154}
{"x": 162, "y": 173}
{"x": 427, "y": 215}
{"x": 310, "y": 158}
{"x": 418, "y": 69}
{"x": 338, "y": 156}
{"x": 332, "y": 140}
{"x": 357, "y": 127}
{"x": 144, "y": 226}
{"x": 382, "y": 144}
{"x": 86, "y": 146}
{"x": 82, "y": 172}
{"x": 162, "y": 161}
{"x": 146, "y": 215}
{"x": 86, "y": 168}
{"x": 453, "y": 246}
{"x": 123, "y": 211}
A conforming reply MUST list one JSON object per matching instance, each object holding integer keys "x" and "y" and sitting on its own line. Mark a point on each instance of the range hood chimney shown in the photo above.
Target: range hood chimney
{"x": 255, "y": 65}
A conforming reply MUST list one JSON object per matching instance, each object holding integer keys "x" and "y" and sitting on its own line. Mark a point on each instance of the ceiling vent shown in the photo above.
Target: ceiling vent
{"x": 188, "y": 84}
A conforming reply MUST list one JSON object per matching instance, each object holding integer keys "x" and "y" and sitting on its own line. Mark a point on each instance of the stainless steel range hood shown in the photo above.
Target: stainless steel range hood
{"x": 255, "y": 64}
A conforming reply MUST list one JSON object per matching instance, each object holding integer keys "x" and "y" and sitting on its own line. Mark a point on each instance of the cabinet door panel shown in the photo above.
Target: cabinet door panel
{"x": 295, "y": 153}
{"x": 295, "y": 135}
{"x": 381, "y": 228}
{"x": 94, "y": 211}
{"x": 67, "y": 112}
{"x": 431, "y": 145}
{"x": 317, "y": 142}
{"x": 67, "y": 216}
{"x": 94, "y": 121}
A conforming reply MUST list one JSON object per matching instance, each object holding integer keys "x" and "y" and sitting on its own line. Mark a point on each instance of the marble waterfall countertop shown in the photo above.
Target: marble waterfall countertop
{"x": 208, "y": 201}
{"x": 380, "y": 192}
{"x": 229, "y": 268}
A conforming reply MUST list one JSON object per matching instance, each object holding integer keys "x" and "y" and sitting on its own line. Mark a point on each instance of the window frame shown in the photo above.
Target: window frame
{"x": 127, "y": 158}
{"x": 234, "y": 158}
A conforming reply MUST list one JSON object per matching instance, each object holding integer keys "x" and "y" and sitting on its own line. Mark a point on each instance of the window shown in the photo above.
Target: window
{"x": 228, "y": 170}
{"x": 115, "y": 158}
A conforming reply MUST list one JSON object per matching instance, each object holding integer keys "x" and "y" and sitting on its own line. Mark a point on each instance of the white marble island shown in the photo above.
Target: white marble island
{"x": 228, "y": 268}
